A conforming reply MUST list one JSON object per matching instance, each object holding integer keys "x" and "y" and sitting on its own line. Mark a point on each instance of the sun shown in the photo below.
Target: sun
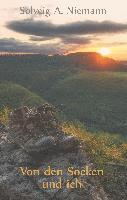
{"x": 104, "y": 51}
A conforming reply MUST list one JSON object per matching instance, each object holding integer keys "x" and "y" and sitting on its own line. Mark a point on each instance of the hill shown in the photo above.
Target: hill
{"x": 80, "y": 60}
{"x": 98, "y": 99}
{"x": 93, "y": 61}
{"x": 91, "y": 88}
{"x": 13, "y": 95}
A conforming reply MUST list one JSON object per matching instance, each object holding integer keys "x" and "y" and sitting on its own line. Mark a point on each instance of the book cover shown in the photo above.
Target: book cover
{"x": 63, "y": 100}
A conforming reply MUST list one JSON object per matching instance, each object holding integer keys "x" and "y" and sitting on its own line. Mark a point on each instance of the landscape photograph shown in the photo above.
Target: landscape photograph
{"x": 63, "y": 100}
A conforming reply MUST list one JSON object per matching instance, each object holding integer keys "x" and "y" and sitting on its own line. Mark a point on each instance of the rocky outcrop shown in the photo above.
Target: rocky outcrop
{"x": 35, "y": 140}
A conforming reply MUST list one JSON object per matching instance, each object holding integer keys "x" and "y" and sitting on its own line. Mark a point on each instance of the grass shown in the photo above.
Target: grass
{"x": 4, "y": 115}
{"x": 102, "y": 147}
{"x": 107, "y": 152}
{"x": 14, "y": 95}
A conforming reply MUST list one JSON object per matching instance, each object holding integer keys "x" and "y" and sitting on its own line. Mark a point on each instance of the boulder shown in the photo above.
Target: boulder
{"x": 69, "y": 143}
{"x": 42, "y": 145}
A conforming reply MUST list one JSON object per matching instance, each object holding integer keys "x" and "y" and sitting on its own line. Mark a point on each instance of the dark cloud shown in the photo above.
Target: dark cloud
{"x": 39, "y": 39}
{"x": 64, "y": 39}
{"x": 13, "y": 45}
{"x": 47, "y": 29}
{"x": 76, "y": 40}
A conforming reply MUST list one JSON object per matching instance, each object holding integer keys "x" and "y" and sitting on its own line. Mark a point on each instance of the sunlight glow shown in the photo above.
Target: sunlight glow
{"x": 104, "y": 51}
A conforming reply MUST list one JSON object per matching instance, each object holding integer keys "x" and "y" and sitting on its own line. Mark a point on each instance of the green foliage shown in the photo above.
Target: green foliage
{"x": 13, "y": 95}
{"x": 95, "y": 98}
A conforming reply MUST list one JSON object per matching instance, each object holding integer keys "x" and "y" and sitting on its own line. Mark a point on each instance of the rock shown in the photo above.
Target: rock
{"x": 42, "y": 145}
{"x": 69, "y": 143}
{"x": 18, "y": 117}
{"x": 3, "y": 128}
{"x": 20, "y": 157}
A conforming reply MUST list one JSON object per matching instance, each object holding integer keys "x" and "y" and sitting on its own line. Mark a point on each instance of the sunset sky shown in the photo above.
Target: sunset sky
{"x": 64, "y": 33}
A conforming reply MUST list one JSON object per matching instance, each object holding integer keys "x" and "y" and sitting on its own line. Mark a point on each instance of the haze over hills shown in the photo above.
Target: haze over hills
{"x": 124, "y": 62}
{"x": 93, "y": 61}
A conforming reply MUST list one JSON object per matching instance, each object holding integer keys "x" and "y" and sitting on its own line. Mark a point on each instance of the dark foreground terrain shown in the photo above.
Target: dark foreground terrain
{"x": 35, "y": 139}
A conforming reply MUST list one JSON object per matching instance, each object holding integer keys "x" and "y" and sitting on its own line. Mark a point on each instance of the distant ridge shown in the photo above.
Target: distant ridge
{"x": 94, "y": 61}
{"x": 79, "y": 60}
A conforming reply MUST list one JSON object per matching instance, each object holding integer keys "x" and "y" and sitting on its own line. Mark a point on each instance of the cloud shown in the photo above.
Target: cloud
{"x": 115, "y": 43}
{"x": 13, "y": 45}
{"x": 70, "y": 36}
{"x": 76, "y": 40}
{"x": 39, "y": 39}
{"x": 64, "y": 39}
{"x": 47, "y": 29}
